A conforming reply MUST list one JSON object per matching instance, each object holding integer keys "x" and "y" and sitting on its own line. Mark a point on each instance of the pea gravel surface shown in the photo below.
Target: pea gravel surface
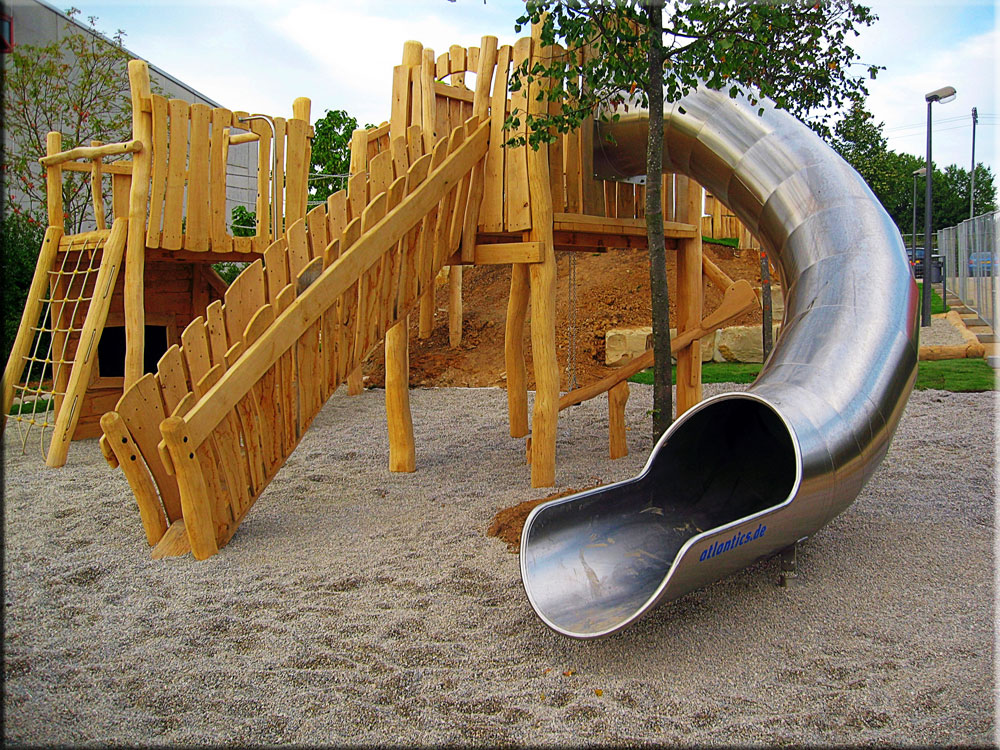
{"x": 359, "y": 607}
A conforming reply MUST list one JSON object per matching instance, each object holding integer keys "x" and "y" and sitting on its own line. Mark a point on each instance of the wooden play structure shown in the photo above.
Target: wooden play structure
{"x": 201, "y": 435}
{"x": 104, "y": 305}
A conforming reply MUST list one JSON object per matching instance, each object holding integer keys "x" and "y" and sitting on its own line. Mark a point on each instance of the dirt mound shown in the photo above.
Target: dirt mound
{"x": 612, "y": 291}
{"x": 508, "y": 523}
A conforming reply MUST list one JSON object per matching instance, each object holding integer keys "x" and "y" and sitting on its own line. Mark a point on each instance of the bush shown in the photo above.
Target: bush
{"x": 20, "y": 242}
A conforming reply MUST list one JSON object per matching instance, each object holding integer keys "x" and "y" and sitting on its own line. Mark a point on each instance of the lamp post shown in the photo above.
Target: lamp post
{"x": 913, "y": 234}
{"x": 942, "y": 95}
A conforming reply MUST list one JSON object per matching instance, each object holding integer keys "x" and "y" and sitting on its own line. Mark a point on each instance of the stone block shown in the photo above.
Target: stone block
{"x": 622, "y": 344}
{"x": 742, "y": 343}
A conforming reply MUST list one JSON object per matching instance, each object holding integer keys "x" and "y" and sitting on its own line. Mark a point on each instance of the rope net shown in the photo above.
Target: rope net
{"x": 42, "y": 388}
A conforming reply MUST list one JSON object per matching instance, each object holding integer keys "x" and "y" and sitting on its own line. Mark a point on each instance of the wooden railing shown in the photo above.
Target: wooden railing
{"x": 234, "y": 400}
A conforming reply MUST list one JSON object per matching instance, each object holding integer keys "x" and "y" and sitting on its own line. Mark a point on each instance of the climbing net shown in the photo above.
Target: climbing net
{"x": 39, "y": 394}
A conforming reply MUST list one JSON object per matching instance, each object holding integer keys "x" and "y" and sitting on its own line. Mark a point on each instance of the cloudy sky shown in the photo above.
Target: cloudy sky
{"x": 260, "y": 55}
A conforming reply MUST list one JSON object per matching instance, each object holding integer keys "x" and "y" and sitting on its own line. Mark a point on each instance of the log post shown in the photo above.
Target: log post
{"x": 402, "y": 452}
{"x": 689, "y": 300}
{"x": 517, "y": 378}
{"x": 195, "y": 502}
{"x": 617, "y": 398}
{"x": 135, "y": 253}
{"x": 542, "y": 279}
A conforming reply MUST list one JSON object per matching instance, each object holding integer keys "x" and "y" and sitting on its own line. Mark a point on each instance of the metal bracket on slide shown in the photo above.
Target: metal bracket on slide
{"x": 788, "y": 563}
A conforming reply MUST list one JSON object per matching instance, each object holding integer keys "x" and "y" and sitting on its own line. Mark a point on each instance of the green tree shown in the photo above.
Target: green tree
{"x": 20, "y": 239}
{"x": 796, "y": 54}
{"x": 858, "y": 138}
{"x": 331, "y": 153}
{"x": 77, "y": 86}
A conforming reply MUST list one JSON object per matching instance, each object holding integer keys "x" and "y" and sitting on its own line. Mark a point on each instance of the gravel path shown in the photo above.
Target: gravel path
{"x": 940, "y": 332}
{"x": 355, "y": 606}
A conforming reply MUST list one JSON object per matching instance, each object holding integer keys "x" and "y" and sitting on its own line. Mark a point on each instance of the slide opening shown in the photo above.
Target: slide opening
{"x": 592, "y": 562}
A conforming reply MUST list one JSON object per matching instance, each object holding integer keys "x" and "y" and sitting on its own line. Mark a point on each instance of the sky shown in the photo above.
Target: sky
{"x": 260, "y": 55}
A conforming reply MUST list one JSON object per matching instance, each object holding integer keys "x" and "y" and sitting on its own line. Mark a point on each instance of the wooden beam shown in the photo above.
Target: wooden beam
{"x": 509, "y": 252}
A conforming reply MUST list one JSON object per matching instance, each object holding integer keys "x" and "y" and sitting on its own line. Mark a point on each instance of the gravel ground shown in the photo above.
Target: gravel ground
{"x": 359, "y": 607}
{"x": 941, "y": 332}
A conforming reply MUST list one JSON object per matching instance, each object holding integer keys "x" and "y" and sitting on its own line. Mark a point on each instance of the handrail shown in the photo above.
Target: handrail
{"x": 236, "y": 382}
{"x": 738, "y": 299}
{"x": 91, "y": 152}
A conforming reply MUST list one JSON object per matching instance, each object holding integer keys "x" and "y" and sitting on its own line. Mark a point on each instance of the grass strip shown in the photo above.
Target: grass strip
{"x": 955, "y": 375}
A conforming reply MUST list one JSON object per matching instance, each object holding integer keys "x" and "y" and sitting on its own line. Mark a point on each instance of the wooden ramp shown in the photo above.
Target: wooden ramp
{"x": 201, "y": 438}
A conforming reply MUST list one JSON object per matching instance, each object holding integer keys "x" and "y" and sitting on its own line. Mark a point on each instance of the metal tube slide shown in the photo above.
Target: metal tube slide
{"x": 741, "y": 476}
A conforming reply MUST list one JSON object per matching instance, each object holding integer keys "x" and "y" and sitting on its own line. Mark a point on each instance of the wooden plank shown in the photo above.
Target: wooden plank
{"x": 517, "y": 204}
{"x": 278, "y": 188}
{"x": 617, "y": 399}
{"x": 442, "y": 69}
{"x": 557, "y": 177}
{"x": 428, "y": 107}
{"x": 349, "y": 307}
{"x": 173, "y": 205}
{"x": 491, "y": 214}
{"x": 333, "y": 282}
{"x": 140, "y": 481}
{"x": 509, "y": 252}
{"x": 480, "y": 110}
{"x": 626, "y": 200}
{"x": 222, "y": 241}
{"x": 316, "y": 231}
{"x": 379, "y": 174}
{"x": 158, "y": 183}
{"x": 368, "y": 281}
{"x": 217, "y": 337}
{"x": 227, "y": 445}
{"x": 196, "y": 351}
{"x": 336, "y": 216}
{"x": 196, "y": 231}
{"x": 141, "y": 408}
{"x": 298, "y": 247}
{"x": 276, "y": 268}
{"x": 173, "y": 378}
{"x": 357, "y": 195}
{"x": 400, "y": 156}
{"x": 262, "y": 237}
{"x": 120, "y": 186}
{"x": 628, "y": 226}
{"x": 244, "y": 297}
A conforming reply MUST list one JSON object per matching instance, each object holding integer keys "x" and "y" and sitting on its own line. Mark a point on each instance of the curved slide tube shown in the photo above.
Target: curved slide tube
{"x": 742, "y": 476}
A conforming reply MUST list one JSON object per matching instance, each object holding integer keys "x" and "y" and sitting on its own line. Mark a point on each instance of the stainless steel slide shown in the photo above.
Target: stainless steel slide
{"x": 742, "y": 476}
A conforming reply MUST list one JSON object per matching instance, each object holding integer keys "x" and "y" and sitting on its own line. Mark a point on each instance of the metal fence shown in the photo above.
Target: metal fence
{"x": 970, "y": 260}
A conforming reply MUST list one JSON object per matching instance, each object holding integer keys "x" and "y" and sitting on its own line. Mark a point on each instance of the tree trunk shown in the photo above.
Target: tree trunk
{"x": 663, "y": 406}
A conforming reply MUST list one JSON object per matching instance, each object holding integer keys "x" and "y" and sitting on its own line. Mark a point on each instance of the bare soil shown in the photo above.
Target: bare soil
{"x": 612, "y": 291}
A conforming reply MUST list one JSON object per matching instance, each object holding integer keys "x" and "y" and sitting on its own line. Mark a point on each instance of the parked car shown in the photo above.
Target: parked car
{"x": 981, "y": 264}
{"x": 937, "y": 266}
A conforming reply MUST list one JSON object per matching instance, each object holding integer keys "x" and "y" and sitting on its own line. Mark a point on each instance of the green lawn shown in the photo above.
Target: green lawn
{"x": 937, "y": 304}
{"x": 956, "y": 375}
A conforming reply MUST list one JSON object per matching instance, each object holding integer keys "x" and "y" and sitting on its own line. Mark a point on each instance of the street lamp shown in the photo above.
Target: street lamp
{"x": 913, "y": 234}
{"x": 942, "y": 95}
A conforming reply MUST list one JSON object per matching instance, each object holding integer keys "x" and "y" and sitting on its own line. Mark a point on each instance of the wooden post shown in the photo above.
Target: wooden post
{"x": 402, "y": 452}
{"x": 53, "y": 182}
{"x": 542, "y": 279}
{"x": 517, "y": 378}
{"x": 689, "y": 300}
{"x": 135, "y": 253}
{"x": 617, "y": 398}
{"x": 455, "y": 306}
{"x": 195, "y": 502}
